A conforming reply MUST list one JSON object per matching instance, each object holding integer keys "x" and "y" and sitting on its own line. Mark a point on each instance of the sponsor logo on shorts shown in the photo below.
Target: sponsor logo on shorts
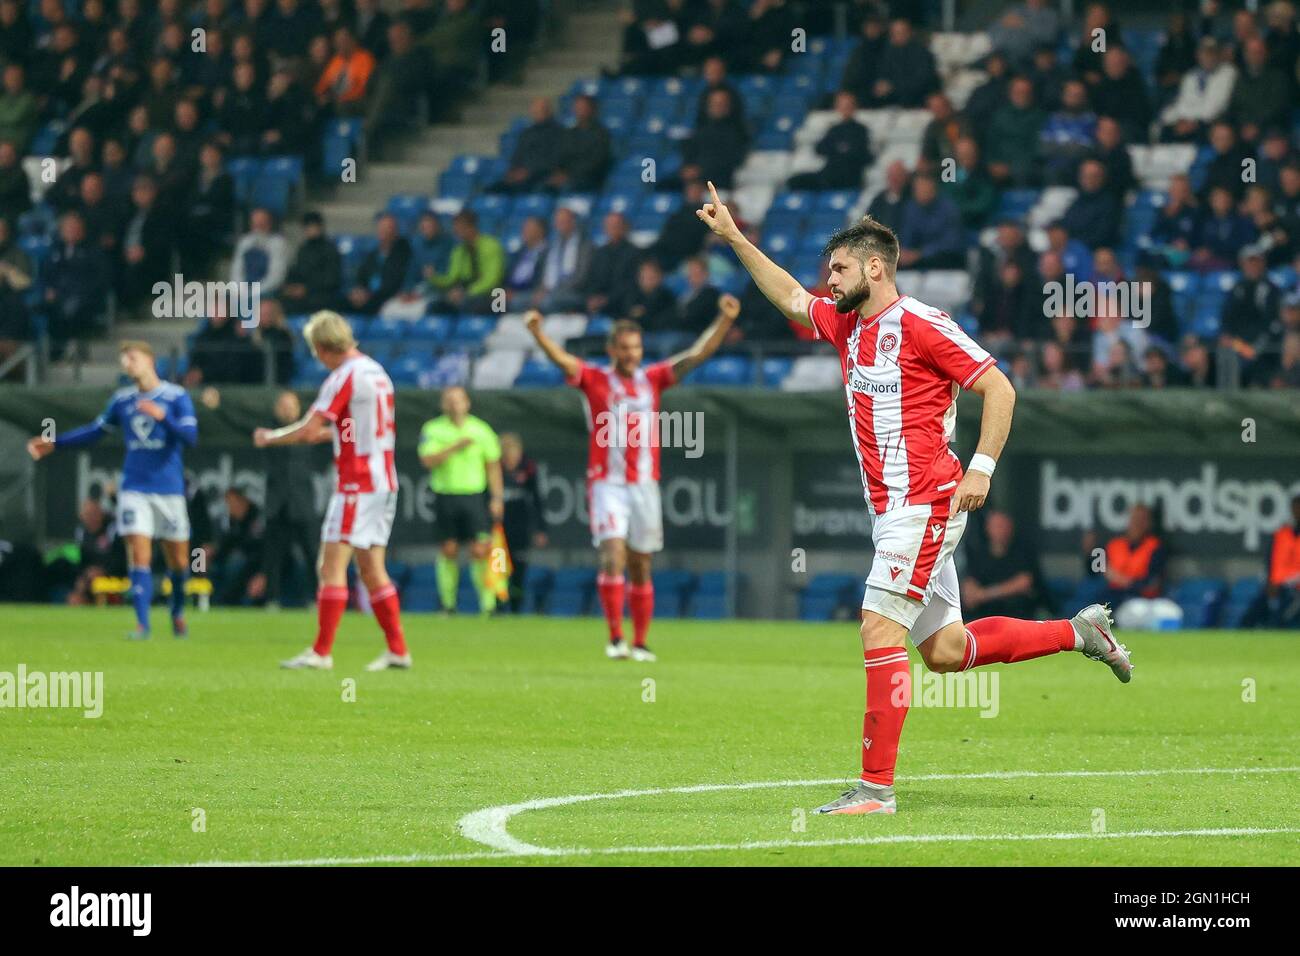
{"x": 893, "y": 557}
{"x": 894, "y": 573}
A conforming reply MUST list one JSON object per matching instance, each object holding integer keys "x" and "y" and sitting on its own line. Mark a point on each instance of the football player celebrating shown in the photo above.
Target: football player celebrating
{"x": 157, "y": 423}
{"x": 355, "y": 408}
{"x": 623, "y": 461}
{"x": 903, "y": 364}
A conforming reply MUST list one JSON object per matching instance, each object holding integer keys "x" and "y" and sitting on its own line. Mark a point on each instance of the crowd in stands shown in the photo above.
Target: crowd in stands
{"x": 122, "y": 125}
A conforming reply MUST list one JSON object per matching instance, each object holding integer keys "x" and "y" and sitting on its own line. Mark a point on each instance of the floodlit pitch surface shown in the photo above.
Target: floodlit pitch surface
{"x": 208, "y": 752}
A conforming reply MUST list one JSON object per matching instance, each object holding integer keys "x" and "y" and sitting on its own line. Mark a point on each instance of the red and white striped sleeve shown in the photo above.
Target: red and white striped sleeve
{"x": 335, "y": 393}
{"x": 941, "y": 344}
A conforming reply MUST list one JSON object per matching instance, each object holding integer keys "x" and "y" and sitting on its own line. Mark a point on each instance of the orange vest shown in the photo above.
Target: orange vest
{"x": 1133, "y": 562}
{"x": 1285, "y": 563}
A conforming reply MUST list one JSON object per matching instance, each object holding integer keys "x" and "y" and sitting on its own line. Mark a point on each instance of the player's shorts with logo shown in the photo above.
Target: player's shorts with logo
{"x": 363, "y": 519}
{"x": 913, "y": 579}
{"x": 164, "y": 517}
{"x": 461, "y": 517}
{"x": 629, "y": 511}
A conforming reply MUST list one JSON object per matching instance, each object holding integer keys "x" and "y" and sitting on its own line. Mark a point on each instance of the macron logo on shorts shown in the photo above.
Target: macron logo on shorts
{"x": 935, "y": 531}
{"x": 894, "y": 573}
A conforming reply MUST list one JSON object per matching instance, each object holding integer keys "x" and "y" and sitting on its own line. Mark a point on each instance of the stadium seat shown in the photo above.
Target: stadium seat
{"x": 830, "y": 596}
{"x": 724, "y": 370}
{"x": 421, "y": 593}
{"x": 1240, "y": 599}
{"x": 571, "y": 592}
{"x": 709, "y": 599}
{"x": 671, "y": 590}
{"x": 1200, "y": 599}
{"x": 537, "y": 588}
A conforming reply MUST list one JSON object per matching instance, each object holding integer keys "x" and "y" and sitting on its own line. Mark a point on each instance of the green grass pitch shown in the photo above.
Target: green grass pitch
{"x": 507, "y": 711}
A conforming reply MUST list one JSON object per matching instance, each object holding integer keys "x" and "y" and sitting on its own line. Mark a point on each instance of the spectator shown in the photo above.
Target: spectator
{"x": 456, "y": 41}
{"x": 1068, "y": 135}
{"x": 147, "y": 244}
{"x": 1048, "y": 76}
{"x": 1011, "y": 312}
{"x": 100, "y": 552}
{"x": 430, "y": 248}
{"x": 719, "y": 144}
{"x": 1225, "y": 166}
{"x": 1088, "y": 54}
{"x": 1223, "y": 234}
{"x": 524, "y": 274}
{"x": 538, "y": 154}
{"x": 991, "y": 95}
{"x": 681, "y": 236}
{"x": 1009, "y": 243}
{"x": 173, "y": 180}
{"x": 887, "y": 206}
{"x": 1178, "y": 54}
{"x": 1011, "y": 137}
{"x": 476, "y": 268}
{"x": 1057, "y": 370}
{"x": 1076, "y": 258}
{"x": 1161, "y": 319}
{"x": 241, "y": 112}
{"x": 1250, "y": 324}
{"x": 209, "y": 214}
{"x": 15, "y": 190}
{"x": 1197, "y": 362}
{"x": 1203, "y": 95}
{"x": 1157, "y": 372}
{"x": 1262, "y": 95}
{"x": 289, "y": 118}
{"x": 223, "y": 354}
{"x": 261, "y": 254}
{"x": 931, "y": 237}
{"x": 343, "y": 87}
{"x": 1177, "y": 228}
{"x": 525, "y": 518}
{"x": 1025, "y": 28}
{"x": 587, "y": 151}
{"x": 971, "y": 189}
{"x": 274, "y": 343}
{"x": 285, "y": 28}
{"x": 1287, "y": 374}
{"x": 237, "y": 573}
{"x": 313, "y": 281}
{"x": 613, "y": 269}
{"x": 1116, "y": 343}
{"x": 651, "y": 39}
{"x": 63, "y": 192}
{"x": 404, "y": 81}
{"x": 651, "y": 304}
{"x": 767, "y": 41}
{"x": 19, "y": 108}
{"x": 76, "y": 283}
{"x": 1282, "y": 585}
{"x": 846, "y": 147}
{"x": 290, "y": 517}
{"x": 863, "y": 65}
{"x": 1135, "y": 560}
{"x": 1121, "y": 93}
{"x": 16, "y": 274}
{"x": 715, "y": 78}
{"x": 564, "y": 265}
{"x": 1094, "y": 216}
{"x": 104, "y": 221}
{"x": 939, "y": 140}
{"x": 906, "y": 73}
{"x": 383, "y": 271}
{"x": 1001, "y": 578}
{"x": 699, "y": 305}
{"x": 521, "y": 20}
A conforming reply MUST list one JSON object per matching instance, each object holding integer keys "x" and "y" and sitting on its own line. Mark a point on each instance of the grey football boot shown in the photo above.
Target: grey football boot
{"x": 1094, "y": 626}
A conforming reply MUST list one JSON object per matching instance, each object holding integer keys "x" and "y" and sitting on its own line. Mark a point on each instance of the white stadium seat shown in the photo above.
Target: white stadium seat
{"x": 498, "y": 368}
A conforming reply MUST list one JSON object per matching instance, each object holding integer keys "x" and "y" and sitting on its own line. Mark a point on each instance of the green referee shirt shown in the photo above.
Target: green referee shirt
{"x": 465, "y": 472}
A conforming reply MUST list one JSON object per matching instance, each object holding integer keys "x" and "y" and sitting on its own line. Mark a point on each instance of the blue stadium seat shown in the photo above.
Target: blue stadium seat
{"x": 472, "y": 330}
{"x": 829, "y": 597}
{"x": 533, "y": 204}
{"x": 709, "y": 599}
{"x": 408, "y": 208}
{"x": 774, "y": 370}
{"x": 343, "y": 140}
{"x": 724, "y": 370}
{"x": 421, "y": 593}
{"x": 779, "y": 242}
{"x": 539, "y": 373}
{"x": 1200, "y": 599}
{"x": 431, "y": 328}
{"x": 387, "y": 330}
{"x": 571, "y": 591}
{"x": 537, "y": 588}
{"x": 1240, "y": 598}
{"x": 243, "y": 170}
{"x": 671, "y": 590}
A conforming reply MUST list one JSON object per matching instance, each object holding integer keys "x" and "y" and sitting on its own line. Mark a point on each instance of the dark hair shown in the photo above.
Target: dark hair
{"x": 864, "y": 239}
{"x": 622, "y": 327}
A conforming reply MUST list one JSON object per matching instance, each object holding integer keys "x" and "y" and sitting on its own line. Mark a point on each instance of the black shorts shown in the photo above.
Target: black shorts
{"x": 461, "y": 517}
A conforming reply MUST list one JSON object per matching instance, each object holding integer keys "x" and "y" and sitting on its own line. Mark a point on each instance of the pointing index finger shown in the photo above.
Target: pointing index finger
{"x": 714, "y": 193}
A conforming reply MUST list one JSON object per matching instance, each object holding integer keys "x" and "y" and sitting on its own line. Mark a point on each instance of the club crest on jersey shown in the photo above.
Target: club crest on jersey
{"x": 888, "y": 342}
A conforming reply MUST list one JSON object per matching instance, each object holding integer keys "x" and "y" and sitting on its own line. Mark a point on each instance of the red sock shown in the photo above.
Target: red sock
{"x": 611, "y": 599}
{"x": 642, "y": 599}
{"x": 889, "y": 692}
{"x": 388, "y": 612}
{"x": 1006, "y": 640}
{"x": 330, "y": 604}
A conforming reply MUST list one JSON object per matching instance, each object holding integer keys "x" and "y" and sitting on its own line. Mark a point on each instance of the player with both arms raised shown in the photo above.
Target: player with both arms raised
{"x": 623, "y": 461}
{"x": 903, "y": 364}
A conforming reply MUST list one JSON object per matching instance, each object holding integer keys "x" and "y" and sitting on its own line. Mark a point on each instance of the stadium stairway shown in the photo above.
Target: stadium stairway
{"x": 588, "y": 39}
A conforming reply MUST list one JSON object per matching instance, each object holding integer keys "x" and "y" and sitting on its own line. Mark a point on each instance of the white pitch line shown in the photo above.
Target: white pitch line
{"x": 488, "y": 826}
{"x": 764, "y": 845}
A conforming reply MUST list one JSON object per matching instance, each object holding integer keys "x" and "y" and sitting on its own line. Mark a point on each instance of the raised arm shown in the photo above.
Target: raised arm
{"x": 569, "y": 364}
{"x": 774, "y": 282}
{"x": 999, "y": 397}
{"x": 709, "y": 340}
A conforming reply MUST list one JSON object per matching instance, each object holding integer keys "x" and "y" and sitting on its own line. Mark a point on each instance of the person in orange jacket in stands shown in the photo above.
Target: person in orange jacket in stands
{"x": 1283, "y": 588}
{"x": 1135, "y": 560}
{"x": 344, "y": 83}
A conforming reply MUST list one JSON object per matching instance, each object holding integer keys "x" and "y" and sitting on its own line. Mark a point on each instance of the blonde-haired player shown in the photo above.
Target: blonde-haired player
{"x": 355, "y": 408}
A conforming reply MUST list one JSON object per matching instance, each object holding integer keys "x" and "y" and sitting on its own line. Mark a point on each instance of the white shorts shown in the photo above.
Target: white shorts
{"x": 164, "y": 517}
{"x": 630, "y": 512}
{"x": 363, "y": 519}
{"x": 913, "y": 579}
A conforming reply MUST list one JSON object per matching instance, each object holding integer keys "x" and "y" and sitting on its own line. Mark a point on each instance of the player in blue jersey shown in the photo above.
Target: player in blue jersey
{"x": 156, "y": 420}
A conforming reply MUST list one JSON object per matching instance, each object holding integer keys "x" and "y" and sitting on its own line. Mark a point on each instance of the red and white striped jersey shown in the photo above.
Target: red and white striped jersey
{"x": 358, "y": 398}
{"x": 623, "y": 419}
{"x": 902, "y": 367}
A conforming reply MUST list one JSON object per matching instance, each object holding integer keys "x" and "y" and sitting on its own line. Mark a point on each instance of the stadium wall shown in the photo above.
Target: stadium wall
{"x": 769, "y": 487}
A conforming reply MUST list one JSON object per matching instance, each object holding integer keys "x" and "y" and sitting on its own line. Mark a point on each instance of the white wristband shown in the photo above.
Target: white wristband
{"x": 983, "y": 464}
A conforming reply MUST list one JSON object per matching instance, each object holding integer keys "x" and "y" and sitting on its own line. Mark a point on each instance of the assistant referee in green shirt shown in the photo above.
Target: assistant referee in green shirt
{"x": 463, "y": 456}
